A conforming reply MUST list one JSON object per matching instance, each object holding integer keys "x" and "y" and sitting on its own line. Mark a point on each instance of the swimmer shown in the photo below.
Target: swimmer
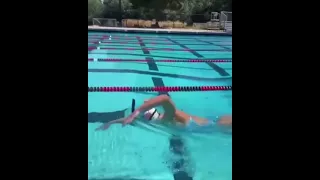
{"x": 171, "y": 115}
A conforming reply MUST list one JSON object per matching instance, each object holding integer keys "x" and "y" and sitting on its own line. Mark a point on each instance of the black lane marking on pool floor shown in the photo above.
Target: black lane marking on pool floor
{"x": 152, "y": 65}
{"x": 211, "y": 43}
{"x": 215, "y": 67}
{"x": 176, "y": 145}
{"x": 164, "y": 65}
{"x": 176, "y": 142}
{"x": 159, "y": 82}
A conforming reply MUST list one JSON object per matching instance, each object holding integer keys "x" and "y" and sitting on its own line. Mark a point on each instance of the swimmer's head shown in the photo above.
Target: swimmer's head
{"x": 151, "y": 114}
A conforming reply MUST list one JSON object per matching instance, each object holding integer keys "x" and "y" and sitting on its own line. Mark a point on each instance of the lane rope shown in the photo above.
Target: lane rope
{"x": 152, "y": 42}
{"x": 160, "y": 49}
{"x": 163, "y": 60}
{"x": 114, "y": 38}
{"x": 160, "y": 89}
{"x": 142, "y": 37}
{"x": 105, "y": 40}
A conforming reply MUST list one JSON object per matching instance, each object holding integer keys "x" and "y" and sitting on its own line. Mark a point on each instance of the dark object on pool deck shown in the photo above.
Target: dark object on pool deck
{"x": 155, "y": 25}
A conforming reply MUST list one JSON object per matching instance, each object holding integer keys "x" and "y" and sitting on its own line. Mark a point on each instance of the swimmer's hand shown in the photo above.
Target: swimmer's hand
{"x": 104, "y": 126}
{"x": 131, "y": 118}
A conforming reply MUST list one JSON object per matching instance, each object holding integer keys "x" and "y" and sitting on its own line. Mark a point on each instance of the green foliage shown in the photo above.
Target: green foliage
{"x": 158, "y": 9}
{"x": 95, "y": 8}
{"x": 113, "y": 5}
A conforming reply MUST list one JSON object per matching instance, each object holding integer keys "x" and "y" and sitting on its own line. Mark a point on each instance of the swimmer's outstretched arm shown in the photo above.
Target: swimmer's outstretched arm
{"x": 162, "y": 100}
{"x": 108, "y": 124}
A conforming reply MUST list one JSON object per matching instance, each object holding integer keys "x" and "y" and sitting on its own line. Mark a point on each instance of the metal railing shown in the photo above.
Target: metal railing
{"x": 214, "y": 16}
{"x": 105, "y": 22}
{"x": 226, "y": 20}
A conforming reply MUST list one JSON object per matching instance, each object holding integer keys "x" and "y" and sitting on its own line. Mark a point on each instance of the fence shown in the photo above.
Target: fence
{"x": 226, "y": 20}
{"x": 105, "y": 22}
{"x": 216, "y": 21}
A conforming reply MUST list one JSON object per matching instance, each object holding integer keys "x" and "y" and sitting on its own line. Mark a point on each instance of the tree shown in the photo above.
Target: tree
{"x": 156, "y": 7}
{"x": 95, "y": 8}
{"x": 113, "y": 8}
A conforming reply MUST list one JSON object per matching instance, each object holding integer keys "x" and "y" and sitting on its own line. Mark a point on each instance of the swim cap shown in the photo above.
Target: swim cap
{"x": 151, "y": 114}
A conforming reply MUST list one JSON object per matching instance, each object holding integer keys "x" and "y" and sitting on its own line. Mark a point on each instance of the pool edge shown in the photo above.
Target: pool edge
{"x": 157, "y": 31}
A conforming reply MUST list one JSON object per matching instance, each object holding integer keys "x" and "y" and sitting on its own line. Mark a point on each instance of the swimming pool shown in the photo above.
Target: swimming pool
{"x": 136, "y": 153}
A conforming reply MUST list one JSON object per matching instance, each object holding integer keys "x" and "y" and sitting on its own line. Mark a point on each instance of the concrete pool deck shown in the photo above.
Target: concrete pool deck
{"x": 159, "y": 31}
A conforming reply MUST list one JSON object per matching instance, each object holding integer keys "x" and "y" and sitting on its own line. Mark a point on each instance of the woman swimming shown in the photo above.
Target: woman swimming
{"x": 171, "y": 115}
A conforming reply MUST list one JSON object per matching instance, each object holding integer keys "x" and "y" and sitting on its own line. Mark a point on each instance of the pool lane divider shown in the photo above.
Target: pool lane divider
{"x": 160, "y": 89}
{"x": 215, "y": 67}
{"x": 146, "y": 38}
{"x": 90, "y": 48}
{"x": 163, "y": 60}
{"x": 135, "y": 43}
{"x": 106, "y": 39}
{"x": 125, "y": 38}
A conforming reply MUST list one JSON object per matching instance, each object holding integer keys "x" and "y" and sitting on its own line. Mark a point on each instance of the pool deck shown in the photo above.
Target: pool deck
{"x": 159, "y": 31}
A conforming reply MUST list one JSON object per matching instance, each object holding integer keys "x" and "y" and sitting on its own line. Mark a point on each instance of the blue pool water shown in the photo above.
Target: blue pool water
{"x": 142, "y": 153}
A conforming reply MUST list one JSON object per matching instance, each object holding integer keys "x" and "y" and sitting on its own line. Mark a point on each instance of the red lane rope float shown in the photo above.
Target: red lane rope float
{"x": 158, "y": 43}
{"x": 159, "y": 89}
{"x": 160, "y": 49}
{"x": 165, "y": 60}
{"x": 135, "y": 39}
{"x": 91, "y": 48}
{"x": 134, "y": 42}
{"x": 142, "y": 37}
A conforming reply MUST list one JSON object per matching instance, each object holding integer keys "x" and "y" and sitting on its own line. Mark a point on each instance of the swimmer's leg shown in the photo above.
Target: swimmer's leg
{"x": 200, "y": 121}
{"x": 225, "y": 121}
{"x": 104, "y": 117}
